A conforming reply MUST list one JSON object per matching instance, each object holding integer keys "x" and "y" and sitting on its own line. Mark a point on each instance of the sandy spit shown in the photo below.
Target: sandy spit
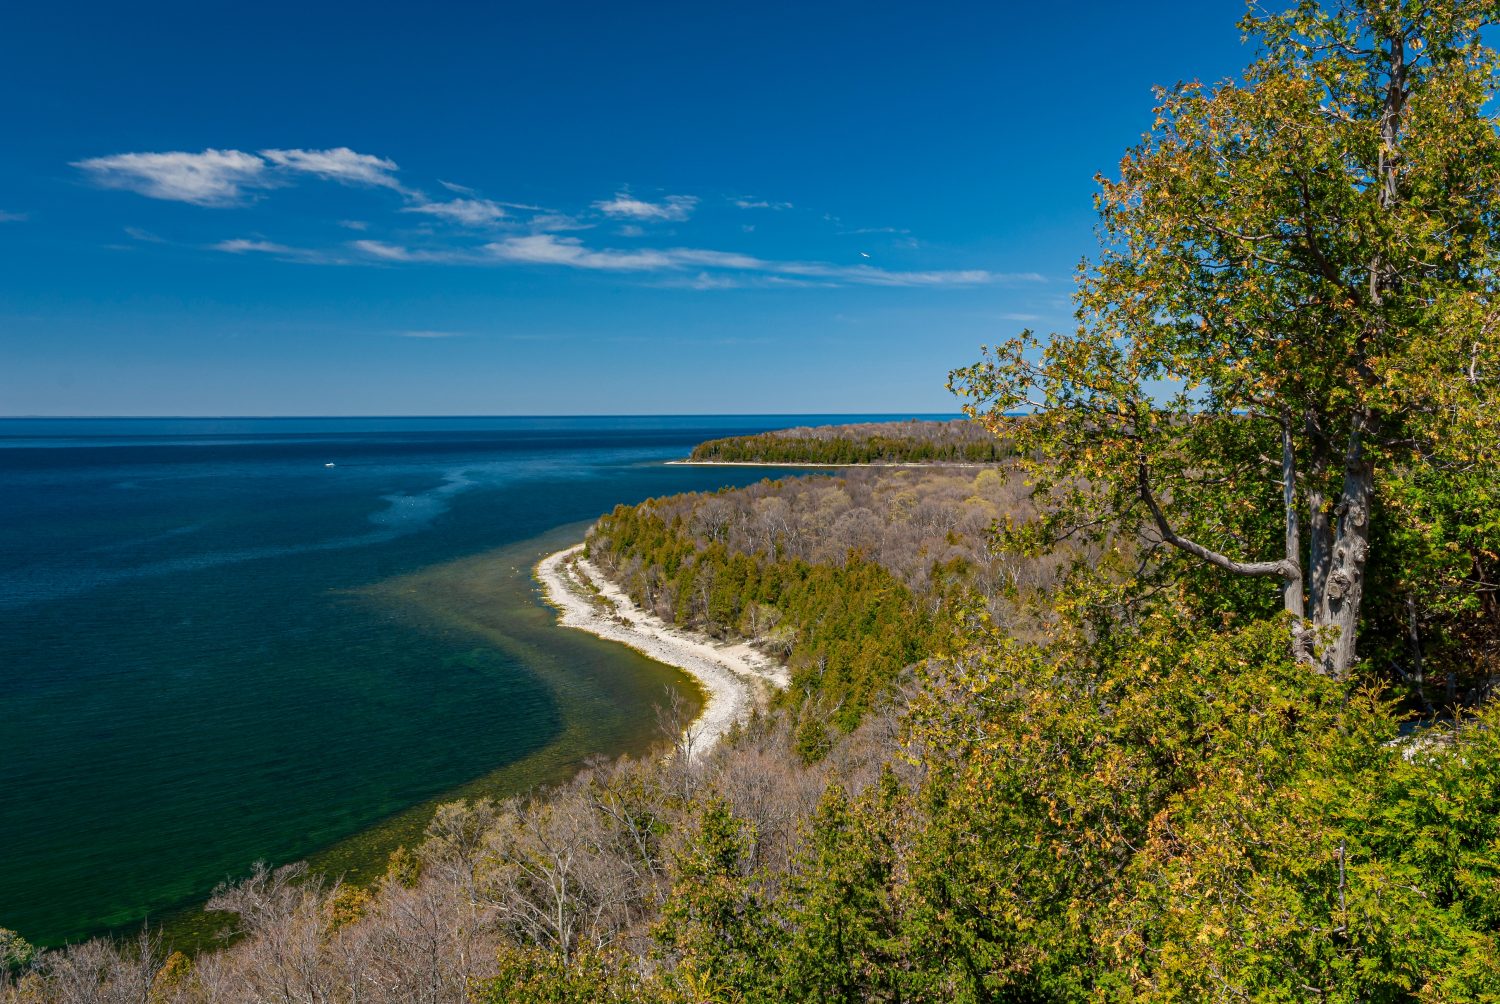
{"x": 735, "y": 678}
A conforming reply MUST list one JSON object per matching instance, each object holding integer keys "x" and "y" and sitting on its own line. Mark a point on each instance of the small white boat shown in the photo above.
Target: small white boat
{"x": 327, "y": 465}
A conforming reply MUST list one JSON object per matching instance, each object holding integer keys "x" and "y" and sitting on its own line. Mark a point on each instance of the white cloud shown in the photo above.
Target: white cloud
{"x": 340, "y": 164}
{"x": 695, "y": 267}
{"x": 719, "y": 259}
{"x": 380, "y": 249}
{"x": 869, "y": 275}
{"x": 395, "y": 252}
{"x": 210, "y": 178}
{"x": 630, "y": 230}
{"x": 544, "y": 249}
{"x": 454, "y": 186}
{"x": 468, "y": 212}
{"x": 242, "y": 245}
{"x": 145, "y": 236}
{"x": 548, "y": 222}
{"x": 6, "y": 217}
{"x": 255, "y": 245}
{"x": 704, "y": 280}
{"x": 354, "y": 224}
{"x": 761, "y": 204}
{"x": 570, "y": 252}
{"x": 674, "y": 207}
{"x": 221, "y": 177}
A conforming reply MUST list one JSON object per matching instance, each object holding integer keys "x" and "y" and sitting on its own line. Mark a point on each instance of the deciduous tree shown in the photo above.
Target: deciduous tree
{"x": 1295, "y": 294}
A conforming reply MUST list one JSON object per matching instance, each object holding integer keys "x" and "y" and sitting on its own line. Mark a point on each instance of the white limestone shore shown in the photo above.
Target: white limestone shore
{"x": 735, "y": 678}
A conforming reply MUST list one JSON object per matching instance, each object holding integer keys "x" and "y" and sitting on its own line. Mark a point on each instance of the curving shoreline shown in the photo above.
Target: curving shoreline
{"x": 735, "y": 678}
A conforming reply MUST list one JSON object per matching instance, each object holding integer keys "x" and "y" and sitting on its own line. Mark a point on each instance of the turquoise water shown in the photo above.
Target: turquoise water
{"x": 219, "y": 649}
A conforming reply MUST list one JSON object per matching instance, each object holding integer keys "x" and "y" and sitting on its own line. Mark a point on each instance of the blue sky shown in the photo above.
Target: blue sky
{"x": 565, "y": 208}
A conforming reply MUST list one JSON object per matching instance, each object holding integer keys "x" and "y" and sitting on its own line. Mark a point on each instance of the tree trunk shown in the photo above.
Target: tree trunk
{"x": 1418, "y": 662}
{"x": 1291, "y": 589}
{"x": 1344, "y": 590}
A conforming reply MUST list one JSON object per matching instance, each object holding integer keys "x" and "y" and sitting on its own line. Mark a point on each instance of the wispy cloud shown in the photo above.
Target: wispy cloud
{"x": 696, "y": 268}
{"x": 340, "y": 164}
{"x": 431, "y": 334}
{"x": 145, "y": 236}
{"x": 747, "y": 203}
{"x": 626, "y": 206}
{"x": 545, "y": 249}
{"x": 535, "y": 236}
{"x": 468, "y": 212}
{"x": 570, "y": 252}
{"x": 6, "y": 217}
{"x": 210, "y": 178}
{"x": 244, "y": 245}
{"x": 550, "y": 222}
{"x": 224, "y": 177}
{"x": 252, "y": 245}
{"x": 384, "y": 251}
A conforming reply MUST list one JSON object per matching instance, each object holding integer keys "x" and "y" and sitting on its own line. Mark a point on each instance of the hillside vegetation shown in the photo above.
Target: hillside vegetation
{"x": 909, "y": 442}
{"x": 849, "y": 579}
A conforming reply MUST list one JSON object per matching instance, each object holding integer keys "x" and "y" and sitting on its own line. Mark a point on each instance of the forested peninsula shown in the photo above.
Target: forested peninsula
{"x": 1185, "y": 695}
{"x": 911, "y": 442}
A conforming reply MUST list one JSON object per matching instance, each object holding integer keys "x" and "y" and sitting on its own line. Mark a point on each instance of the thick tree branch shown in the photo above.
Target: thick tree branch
{"x": 1253, "y": 569}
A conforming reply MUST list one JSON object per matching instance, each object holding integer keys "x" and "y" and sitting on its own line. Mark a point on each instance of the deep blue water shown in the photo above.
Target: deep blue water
{"x": 190, "y": 676}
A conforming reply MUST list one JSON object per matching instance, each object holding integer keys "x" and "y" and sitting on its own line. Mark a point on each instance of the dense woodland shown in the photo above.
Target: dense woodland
{"x": 851, "y": 579}
{"x": 1191, "y": 699}
{"x": 910, "y": 442}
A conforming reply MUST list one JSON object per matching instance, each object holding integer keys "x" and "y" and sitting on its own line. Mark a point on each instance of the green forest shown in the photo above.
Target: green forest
{"x": 1187, "y": 696}
{"x": 911, "y": 442}
{"x": 850, "y": 580}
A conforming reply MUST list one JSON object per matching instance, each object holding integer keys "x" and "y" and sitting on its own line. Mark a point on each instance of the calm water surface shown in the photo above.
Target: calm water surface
{"x": 233, "y": 640}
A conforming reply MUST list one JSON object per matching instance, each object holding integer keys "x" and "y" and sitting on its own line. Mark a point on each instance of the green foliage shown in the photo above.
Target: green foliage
{"x": 404, "y": 868}
{"x": 1303, "y": 258}
{"x": 713, "y": 924}
{"x": 1187, "y": 814}
{"x": 534, "y": 976}
{"x": 174, "y": 975}
{"x": 812, "y": 740}
{"x": 843, "y": 907}
{"x": 16, "y": 953}
{"x": 347, "y": 906}
{"x": 853, "y": 627}
{"x": 1436, "y": 608}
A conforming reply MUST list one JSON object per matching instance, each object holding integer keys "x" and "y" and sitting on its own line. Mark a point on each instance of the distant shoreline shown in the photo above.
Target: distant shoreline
{"x": 735, "y": 679}
{"x": 798, "y": 463}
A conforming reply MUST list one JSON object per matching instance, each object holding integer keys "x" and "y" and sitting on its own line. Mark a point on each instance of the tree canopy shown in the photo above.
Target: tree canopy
{"x": 1294, "y": 301}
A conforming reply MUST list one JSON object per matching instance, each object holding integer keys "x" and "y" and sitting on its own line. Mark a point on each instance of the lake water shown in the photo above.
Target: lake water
{"x": 234, "y": 640}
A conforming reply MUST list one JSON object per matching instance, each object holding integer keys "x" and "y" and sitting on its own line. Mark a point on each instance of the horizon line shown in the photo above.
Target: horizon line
{"x": 622, "y": 414}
